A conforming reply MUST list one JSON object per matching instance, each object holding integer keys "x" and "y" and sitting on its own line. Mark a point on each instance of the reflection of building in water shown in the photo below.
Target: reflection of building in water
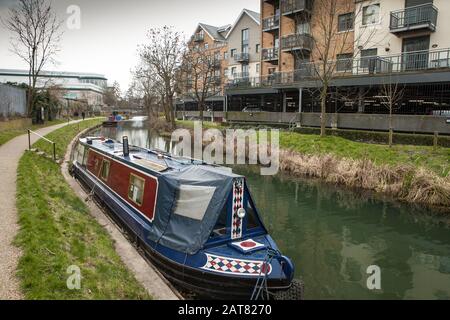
{"x": 431, "y": 276}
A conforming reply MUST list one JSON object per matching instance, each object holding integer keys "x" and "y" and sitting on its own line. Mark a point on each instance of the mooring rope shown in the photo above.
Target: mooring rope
{"x": 261, "y": 286}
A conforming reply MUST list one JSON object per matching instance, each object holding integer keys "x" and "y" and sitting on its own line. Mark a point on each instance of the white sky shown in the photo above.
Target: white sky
{"x": 111, "y": 30}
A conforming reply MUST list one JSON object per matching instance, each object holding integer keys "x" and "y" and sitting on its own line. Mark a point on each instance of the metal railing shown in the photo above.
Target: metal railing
{"x": 427, "y": 60}
{"x": 409, "y": 18}
{"x": 44, "y": 138}
{"x": 269, "y": 54}
{"x": 293, "y": 6}
{"x": 297, "y": 41}
{"x": 270, "y": 23}
{"x": 241, "y": 57}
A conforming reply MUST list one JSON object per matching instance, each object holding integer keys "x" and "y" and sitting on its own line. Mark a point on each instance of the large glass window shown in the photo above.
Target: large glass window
{"x": 136, "y": 189}
{"x": 368, "y": 58}
{"x": 371, "y": 14}
{"x": 344, "y": 62}
{"x": 345, "y": 22}
{"x": 245, "y": 35}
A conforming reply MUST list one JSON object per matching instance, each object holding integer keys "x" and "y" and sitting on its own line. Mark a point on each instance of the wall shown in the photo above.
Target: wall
{"x": 235, "y": 41}
{"x": 379, "y": 122}
{"x": 13, "y": 101}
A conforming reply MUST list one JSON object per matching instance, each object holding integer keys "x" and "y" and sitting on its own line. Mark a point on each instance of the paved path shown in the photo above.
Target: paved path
{"x": 10, "y": 154}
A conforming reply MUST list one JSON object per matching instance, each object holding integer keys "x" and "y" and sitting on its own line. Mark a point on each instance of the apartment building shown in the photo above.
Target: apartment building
{"x": 210, "y": 41}
{"x": 244, "y": 47}
{"x": 385, "y": 41}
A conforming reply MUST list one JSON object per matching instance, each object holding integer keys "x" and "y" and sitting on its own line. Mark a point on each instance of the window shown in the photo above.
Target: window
{"x": 136, "y": 189}
{"x": 104, "y": 172}
{"x": 225, "y": 55}
{"x": 193, "y": 201}
{"x": 257, "y": 48}
{"x": 371, "y": 14}
{"x": 225, "y": 72}
{"x": 206, "y": 46}
{"x": 232, "y": 52}
{"x": 245, "y": 35}
{"x": 345, "y": 22}
{"x": 344, "y": 62}
{"x": 233, "y": 71}
{"x": 257, "y": 68}
{"x": 368, "y": 57}
{"x": 303, "y": 28}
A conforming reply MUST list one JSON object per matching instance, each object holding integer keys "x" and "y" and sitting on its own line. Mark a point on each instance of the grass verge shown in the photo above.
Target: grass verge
{"x": 7, "y": 135}
{"x": 57, "y": 231}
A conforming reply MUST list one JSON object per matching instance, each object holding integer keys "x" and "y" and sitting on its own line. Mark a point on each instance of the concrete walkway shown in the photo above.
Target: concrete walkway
{"x": 10, "y": 154}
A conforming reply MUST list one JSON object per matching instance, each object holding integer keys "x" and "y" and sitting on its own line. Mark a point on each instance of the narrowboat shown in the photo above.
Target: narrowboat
{"x": 198, "y": 222}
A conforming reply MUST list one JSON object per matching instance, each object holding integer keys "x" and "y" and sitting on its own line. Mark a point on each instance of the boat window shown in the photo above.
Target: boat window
{"x": 252, "y": 220}
{"x": 220, "y": 229}
{"x": 80, "y": 154}
{"x": 104, "y": 172}
{"x": 136, "y": 189}
{"x": 192, "y": 201}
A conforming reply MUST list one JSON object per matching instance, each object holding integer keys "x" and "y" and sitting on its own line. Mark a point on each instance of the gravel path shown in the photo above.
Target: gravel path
{"x": 10, "y": 153}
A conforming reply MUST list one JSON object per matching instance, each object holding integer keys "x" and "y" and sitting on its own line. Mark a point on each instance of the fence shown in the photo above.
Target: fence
{"x": 13, "y": 101}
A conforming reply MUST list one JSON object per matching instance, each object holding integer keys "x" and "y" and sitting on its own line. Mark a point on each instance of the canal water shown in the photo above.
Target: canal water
{"x": 334, "y": 234}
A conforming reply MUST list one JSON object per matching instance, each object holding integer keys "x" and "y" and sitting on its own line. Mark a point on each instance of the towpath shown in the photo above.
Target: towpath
{"x": 10, "y": 154}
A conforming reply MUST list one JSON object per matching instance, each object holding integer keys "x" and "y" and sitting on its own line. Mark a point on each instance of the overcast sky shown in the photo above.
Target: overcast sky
{"x": 112, "y": 29}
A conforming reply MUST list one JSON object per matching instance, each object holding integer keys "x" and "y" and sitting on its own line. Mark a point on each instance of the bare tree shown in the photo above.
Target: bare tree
{"x": 146, "y": 86}
{"x": 36, "y": 35}
{"x": 199, "y": 75}
{"x": 391, "y": 96}
{"x": 162, "y": 54}
{"x": 329, "y": 41}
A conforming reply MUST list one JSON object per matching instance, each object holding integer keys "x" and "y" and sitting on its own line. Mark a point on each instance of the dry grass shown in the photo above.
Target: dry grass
{"x": 404, "y": 182}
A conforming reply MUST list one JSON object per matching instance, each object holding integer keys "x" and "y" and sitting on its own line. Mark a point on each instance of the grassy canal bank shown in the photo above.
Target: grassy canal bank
{"x": 57, "y": 231}
{"x": 7, "y": 135}
{"x": 415, "y": 174}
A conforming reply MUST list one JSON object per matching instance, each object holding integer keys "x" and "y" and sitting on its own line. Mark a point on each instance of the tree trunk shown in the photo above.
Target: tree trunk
{"x": 391, "y": 130}
{"x": 323, "y": 114}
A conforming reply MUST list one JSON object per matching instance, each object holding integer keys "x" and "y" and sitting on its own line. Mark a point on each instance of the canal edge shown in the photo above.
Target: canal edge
{"x": 144, "y": 272}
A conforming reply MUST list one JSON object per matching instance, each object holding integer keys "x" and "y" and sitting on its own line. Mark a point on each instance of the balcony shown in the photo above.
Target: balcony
{"x": 399, "y": 64}
{"x": 270, "y": 54}
{"x": 271, "y": 23}
{"x": 297, "y": 41}
{"x": 418, "y": 18}
{"x": 289, "y": 7}
{"x": 199, "y": 37}
{"x": 241, "y": 57}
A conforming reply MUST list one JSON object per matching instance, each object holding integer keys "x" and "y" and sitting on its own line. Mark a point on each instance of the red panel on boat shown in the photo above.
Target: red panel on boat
{"x": 118, "y": 179}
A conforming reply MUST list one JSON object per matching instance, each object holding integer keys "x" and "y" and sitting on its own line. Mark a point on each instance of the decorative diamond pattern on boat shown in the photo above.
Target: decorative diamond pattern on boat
{"x": 238, "y": 202}
{"x": 235, "y": 266}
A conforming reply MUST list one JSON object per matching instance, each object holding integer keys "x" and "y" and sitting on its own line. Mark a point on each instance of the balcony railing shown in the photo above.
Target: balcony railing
{"x": 414, "y": 18}
{"x": 199, "y": 37}
{"x": 294, "y": 6}
{"x": 270, "y": 54}
{"x": 271, "y": 23}
{"x": 297, "y": 42}
{"x": 241, "y": 57}
{"x": 417, "y": 61}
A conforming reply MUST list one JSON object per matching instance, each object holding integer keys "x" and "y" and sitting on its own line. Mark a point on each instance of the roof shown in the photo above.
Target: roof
{"x": 216, "y": 33}
{"x": 255, "y": 16}
{"x": 59, "y": 74}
